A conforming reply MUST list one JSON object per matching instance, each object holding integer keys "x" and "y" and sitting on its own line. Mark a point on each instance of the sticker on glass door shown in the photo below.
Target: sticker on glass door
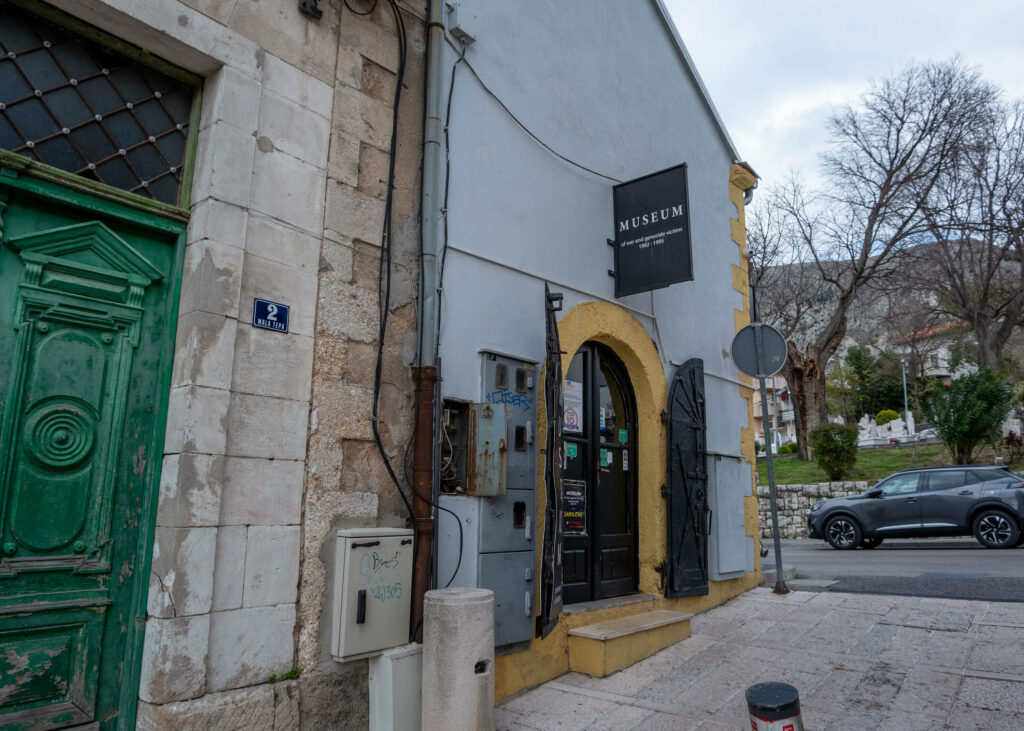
{"x": 574, "y": 507}
{"x": 573, "y": 399}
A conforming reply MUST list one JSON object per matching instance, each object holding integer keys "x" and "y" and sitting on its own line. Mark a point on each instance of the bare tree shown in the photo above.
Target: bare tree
{"x": 886, "y": 155}
{"x": 975, "y": 212}
{"x": 788, "y": 289}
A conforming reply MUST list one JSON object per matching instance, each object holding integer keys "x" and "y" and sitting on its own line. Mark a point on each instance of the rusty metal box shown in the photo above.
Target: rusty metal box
{"x": 487, "y": 450}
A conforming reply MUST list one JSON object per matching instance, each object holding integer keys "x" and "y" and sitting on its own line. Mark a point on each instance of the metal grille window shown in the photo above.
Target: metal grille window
{"x": 80, "y": 106}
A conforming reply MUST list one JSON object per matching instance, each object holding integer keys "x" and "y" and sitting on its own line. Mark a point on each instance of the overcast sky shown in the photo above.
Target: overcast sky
{"x": 775, "y": 69}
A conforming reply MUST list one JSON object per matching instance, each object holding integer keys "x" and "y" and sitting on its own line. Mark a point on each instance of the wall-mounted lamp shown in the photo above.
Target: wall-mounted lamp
{"x": 310, "y": 8}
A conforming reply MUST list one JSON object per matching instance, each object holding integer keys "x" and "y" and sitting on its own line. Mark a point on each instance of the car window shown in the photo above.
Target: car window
{"x": 947, "y": 479}
{"x": 899, "y": 484}
{"x": 993, "y": 474}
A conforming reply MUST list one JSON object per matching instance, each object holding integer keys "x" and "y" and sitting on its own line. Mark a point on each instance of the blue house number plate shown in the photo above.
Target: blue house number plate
{"x": 270, "y": 315}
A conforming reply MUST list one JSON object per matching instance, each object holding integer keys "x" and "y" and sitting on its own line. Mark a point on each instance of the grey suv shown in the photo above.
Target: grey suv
{"x": 987, "y": 502}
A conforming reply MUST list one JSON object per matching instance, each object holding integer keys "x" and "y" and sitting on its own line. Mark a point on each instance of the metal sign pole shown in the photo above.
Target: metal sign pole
{"x": 753, "y": 348}
{"x": 780, "y": 580}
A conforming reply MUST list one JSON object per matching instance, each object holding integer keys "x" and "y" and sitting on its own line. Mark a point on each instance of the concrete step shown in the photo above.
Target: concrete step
{"x": 768, "y": 572}
{"x": 606, "y": 647}
{"x": 809, "y": 584}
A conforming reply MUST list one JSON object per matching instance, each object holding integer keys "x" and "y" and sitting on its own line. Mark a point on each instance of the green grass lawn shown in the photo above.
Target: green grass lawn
{"x": 872, "y": 464}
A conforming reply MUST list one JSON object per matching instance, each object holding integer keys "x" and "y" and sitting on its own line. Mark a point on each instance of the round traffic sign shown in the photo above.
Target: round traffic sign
{"x": 744, "y": 350}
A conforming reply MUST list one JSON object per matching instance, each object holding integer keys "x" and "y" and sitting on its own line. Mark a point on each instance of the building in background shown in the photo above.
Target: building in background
{"x": 782, "y": 424}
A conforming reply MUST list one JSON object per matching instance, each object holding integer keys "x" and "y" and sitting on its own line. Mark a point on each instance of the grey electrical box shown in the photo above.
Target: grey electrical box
{"x": 730, "y": 550}
{"x": 372, "y": 591}
{"x": 489, "y": 525}
{"x": 508, "y": 573}
{"x": 510, "y": 576}
{"x": 462, "y": 23}
{"x": 487, "y": 449}
{"x": 512, "y": 383}
{"x": 497, "y": 550}
{"x": 507, "y": 522}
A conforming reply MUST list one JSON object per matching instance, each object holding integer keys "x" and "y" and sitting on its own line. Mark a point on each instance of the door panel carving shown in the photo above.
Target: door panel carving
{"x": 75, "y": 323}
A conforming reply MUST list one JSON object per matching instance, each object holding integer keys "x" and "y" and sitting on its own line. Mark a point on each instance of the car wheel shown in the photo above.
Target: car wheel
{"x": 842, "y": 533}
{"x": 996, "y": 529}
{"x": 871, "y": 542}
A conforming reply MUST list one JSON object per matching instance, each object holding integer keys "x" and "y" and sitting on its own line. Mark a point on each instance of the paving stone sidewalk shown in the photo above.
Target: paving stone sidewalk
{"x": 860, "y": 662}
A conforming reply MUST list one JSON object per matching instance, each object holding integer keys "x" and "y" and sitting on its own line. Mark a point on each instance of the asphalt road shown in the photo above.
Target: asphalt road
{"x": 948, "y": 568}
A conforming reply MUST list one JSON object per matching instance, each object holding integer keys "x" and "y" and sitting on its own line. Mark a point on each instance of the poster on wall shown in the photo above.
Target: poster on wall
{"x": 573, "y": 397}
{"x": 574, "y": 507}
{"x": 652, "y": 232}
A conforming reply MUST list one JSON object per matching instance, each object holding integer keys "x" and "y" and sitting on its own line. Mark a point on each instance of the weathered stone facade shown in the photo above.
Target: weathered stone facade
{"x": 269, "y": 446}
{"x": 794, "y": 503}
{"x": 347, "y": 484}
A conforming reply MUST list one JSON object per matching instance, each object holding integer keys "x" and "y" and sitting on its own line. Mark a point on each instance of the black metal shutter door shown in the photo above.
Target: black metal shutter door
{"x": 551, "y": 558}
{"x": 688, "y": 483}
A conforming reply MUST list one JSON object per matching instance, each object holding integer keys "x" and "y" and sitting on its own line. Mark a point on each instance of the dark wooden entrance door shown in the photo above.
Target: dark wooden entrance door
{"x": 87, "y": 301}
{"x": 599, "y": 547}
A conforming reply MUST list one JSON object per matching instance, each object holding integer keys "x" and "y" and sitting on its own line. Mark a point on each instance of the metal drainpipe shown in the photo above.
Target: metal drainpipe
{"x": 426, "y": 374}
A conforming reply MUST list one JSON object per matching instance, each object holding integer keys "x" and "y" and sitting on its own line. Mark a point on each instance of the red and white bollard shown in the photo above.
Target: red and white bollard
{"x": 774, "y": 707}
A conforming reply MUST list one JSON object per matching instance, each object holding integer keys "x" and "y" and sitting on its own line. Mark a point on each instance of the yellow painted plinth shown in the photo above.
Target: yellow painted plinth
{"x": 607, "y": 647}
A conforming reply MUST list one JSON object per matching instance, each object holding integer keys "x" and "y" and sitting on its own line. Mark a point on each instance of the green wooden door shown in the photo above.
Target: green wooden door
{"x": 88, "y": 296}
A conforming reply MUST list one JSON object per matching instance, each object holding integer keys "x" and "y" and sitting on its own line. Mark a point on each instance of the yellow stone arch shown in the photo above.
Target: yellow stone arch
{"x": 616, "y": 328}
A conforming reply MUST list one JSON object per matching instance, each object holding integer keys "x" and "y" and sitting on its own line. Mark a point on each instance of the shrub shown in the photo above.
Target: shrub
{"x": 885, "y": 416}
{"x": 1013, "y": 445}
{"x": 790, "y": 448}
{"x": 835, "y": 448}
{"x": 970, "y": 413}
{"x": 757, "y": 447}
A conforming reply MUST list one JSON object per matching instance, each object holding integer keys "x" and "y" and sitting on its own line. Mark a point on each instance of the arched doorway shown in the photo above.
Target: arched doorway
{"x": 599, "y": 484}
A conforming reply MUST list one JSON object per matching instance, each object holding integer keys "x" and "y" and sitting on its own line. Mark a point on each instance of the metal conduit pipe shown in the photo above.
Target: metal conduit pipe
{"x": 430, "y": 201}
{"x": 426, "y": 374}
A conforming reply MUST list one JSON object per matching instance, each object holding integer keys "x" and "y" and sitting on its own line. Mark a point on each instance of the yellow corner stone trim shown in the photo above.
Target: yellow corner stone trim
{"x": 741, "y": 179}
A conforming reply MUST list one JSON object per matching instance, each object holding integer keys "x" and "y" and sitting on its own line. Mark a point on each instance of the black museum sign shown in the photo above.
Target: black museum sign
{"x": 652, "y": 232}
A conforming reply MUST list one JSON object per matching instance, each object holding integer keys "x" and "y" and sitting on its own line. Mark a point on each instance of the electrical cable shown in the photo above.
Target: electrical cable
{"x": 384, "y": 291}
{"x": 384, "y": 267}
{"x": 447, "y": 167}
{"x": 440, "y": 285}
{"x": 444, "y": 201}
{"x": 526, "y": 129}
{"x": 353, "y": 10}
{"x": 458, "y": 521}
{"x": 430, "y": 501}
{"x": 444, "y": 211}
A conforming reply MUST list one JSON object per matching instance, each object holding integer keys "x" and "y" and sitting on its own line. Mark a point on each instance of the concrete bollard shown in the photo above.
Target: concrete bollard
{"x": 458, "y": 660}
{"x": 774, "y": 707}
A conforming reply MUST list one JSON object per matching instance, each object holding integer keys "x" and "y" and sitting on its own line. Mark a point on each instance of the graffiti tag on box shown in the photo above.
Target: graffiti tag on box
{"x": 381, "y": 575}
{"x": 521, "y": 400}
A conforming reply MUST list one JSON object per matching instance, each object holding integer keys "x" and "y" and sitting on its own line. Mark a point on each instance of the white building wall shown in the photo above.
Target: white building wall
{"x": 604, "y": 84}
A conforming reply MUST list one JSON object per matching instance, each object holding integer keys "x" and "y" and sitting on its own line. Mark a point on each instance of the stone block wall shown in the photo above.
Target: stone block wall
{"x": 268, "y": 445}
{"x": 794, "y": 503}
{"x": 346, "y": 482}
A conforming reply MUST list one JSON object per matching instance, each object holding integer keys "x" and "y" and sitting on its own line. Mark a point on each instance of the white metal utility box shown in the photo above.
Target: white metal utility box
{"x": 372, "y": 591}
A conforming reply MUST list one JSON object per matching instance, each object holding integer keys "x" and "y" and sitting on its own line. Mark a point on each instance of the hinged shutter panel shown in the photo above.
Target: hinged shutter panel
{"x": 688, "y": 484}
{"x": 551, "y": 559}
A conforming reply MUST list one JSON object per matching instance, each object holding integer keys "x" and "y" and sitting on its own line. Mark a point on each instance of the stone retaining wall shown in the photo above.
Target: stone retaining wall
{"x": 795, "y": 503}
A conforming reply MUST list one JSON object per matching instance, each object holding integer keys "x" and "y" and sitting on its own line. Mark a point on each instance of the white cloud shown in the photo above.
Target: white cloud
{"x": 776, "y": 69}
